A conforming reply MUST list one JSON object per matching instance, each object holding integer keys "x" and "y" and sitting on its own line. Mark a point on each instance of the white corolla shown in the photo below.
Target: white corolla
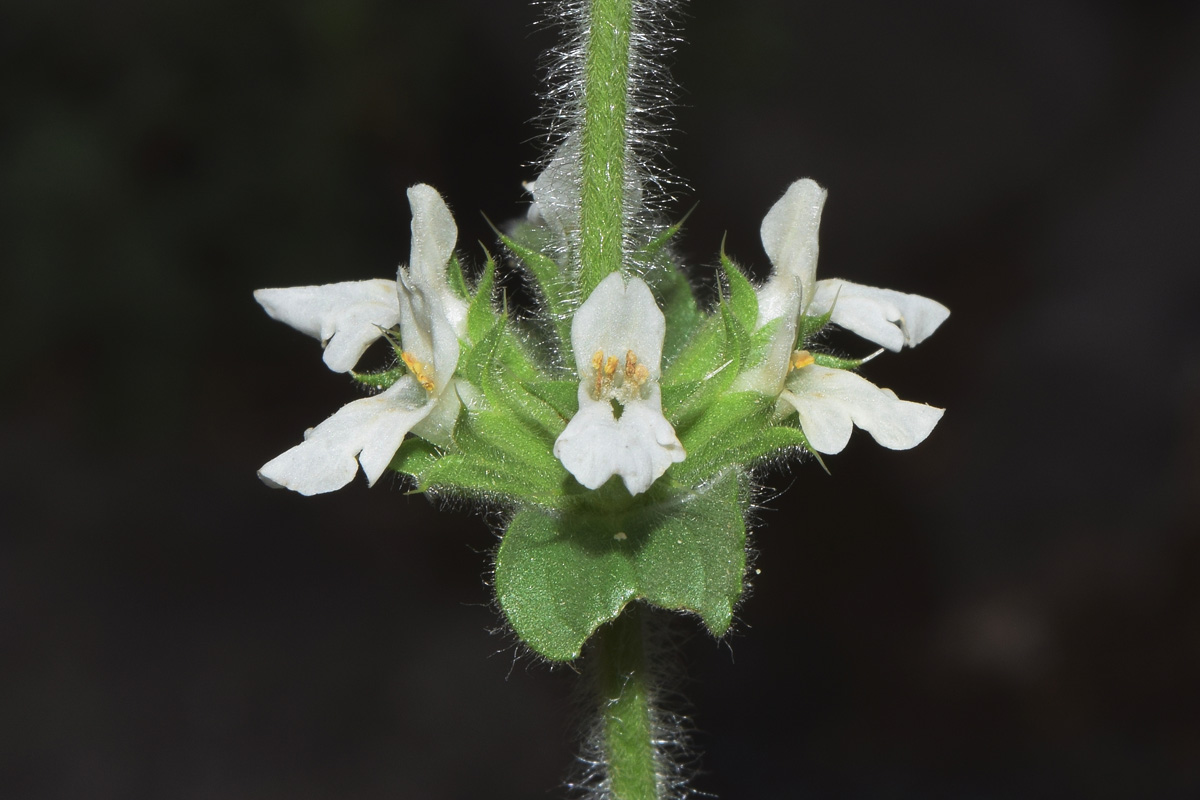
{"x": 347, "y": 318}
{"x": 617, "y": 335}
{"x": 831, "y": 402}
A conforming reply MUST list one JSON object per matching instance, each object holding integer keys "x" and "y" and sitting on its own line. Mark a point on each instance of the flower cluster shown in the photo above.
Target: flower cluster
{"x": 617, "y": 424}
{"x": 616, "y": 337}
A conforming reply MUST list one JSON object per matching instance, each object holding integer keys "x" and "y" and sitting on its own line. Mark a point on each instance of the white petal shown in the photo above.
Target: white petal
{"x": 371, "y": 429}
{"x": 425, "y": 330}
{"x": 556, "y": 193}
{"x": 832, "y": 401}
{"x": 616, "y": 318}
{"x": 346, "y": 317}
{"x": 438, "y": 427}
{"x": 639, "y": 446}
{"x": 789, "y": 235}
{"x": 434, "y": 235}
{"x": 886, "y": 317}
{"x": 556, "y": 190}
{"x": 768, "y": 375}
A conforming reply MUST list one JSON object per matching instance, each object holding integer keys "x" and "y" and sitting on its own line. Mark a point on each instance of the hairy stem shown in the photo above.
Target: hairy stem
{"x": 628, "y": 729}
{"x": 604, "y": 136}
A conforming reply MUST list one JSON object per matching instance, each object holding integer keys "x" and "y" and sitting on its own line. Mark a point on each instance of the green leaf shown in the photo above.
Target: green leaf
{"x": 743, "y": 299}
{"x": 705, "y": 371}
{"x": 559, "y": 577}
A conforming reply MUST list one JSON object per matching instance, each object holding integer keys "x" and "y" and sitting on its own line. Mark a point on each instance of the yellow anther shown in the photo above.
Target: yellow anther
{"x": 418, "y": 370}
{"x": 611, "y": 378}
{"x": 800, "y": 360}
{"x": 635, "y": 374}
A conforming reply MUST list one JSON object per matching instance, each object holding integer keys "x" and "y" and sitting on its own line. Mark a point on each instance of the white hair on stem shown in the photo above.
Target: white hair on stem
{"x": 649, "y": 184}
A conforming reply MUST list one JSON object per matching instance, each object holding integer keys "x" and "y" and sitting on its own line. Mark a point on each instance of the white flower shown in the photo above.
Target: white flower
{"x": 617, "y": 335}
{"x": 347, "y": 318}
{"x": 556, "y": 191}
{"x": 830, "y": 402}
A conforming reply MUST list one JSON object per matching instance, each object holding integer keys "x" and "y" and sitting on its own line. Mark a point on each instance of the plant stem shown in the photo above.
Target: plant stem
{"x": 604, "y": 136}
{"x": 629, "y": 752}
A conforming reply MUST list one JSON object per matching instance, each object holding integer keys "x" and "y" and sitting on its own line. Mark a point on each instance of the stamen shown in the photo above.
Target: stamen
{"x": 597, "y": 367}
{"x": 800, "y": 360}
{"x": 419, "y": 371}
{"x": 610, "y": 378}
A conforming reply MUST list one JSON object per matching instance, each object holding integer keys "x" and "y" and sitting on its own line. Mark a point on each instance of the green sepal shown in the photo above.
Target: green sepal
{"x": 702, "y": 357}
{"x": 481, "y": 316}
{"x": 715, "y": 440}
{"x": 499, "y": 367}
{"x": 380, "y": 379}
{"x": 414, "y": 457}
{"x": 743, "y": 299}
{"x": 810, "y": 326}
{"x": 671, "y": 288}
{"x": 503, "y": 450}
{"x": 562, "y": 396}
{"x": 560, "y": 577}
{"x": 744, "y": 450}
{"x": 454, "y": 275}
{"x": 737, "y": 337}
{"x": 760, "y": 344}
{"x": 711, "y": 365}
{"x": 489, "y": 479}
{"x": 652, "y": 249}
{"x": 525, "y": 447}
{"x": 500, "y": 458}
{"x": 834, "y": 362}
{"x": 683, "y": 314}
{"x": 555, "y": 287}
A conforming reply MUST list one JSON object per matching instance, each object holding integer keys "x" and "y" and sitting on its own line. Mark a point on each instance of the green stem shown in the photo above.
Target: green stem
{"x": 628, "y": 731}
{"x": 605, "y": 118}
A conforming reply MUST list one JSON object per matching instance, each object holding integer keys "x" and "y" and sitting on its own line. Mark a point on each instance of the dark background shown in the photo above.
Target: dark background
{"x": 1010, "y": 610}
